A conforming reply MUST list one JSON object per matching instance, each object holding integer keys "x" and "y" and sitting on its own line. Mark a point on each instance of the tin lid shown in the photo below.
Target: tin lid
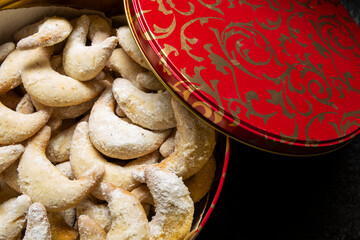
{"x": 278, "y": 75}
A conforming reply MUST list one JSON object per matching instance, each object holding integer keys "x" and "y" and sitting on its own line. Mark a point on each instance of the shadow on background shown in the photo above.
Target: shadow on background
{"x": 267, "y": 196}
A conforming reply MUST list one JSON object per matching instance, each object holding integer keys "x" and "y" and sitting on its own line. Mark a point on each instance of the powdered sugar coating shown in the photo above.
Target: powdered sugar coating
{"x": 89, "y": 229}
{"x": 38, "y": 226}
{"x": 129, "y": 220}
{"x": 13, "y": 216}
{"x": 194, "y": 143}
{"x": 57, "y": 192}
{"x": 173, "y": 204}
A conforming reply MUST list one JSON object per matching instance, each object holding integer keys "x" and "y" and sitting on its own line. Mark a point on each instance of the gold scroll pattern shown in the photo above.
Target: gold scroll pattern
{"x": 245, "y": 46}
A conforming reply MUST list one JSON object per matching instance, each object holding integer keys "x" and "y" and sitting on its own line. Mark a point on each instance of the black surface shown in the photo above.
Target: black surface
{"x": 267, "y": 196}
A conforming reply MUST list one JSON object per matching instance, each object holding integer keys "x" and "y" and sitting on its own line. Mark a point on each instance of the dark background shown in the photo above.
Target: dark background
{"x": 267, "y": 196}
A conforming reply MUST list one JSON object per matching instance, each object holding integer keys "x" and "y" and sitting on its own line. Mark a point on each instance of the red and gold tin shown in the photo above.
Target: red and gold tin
{"x": 282, "y": 76}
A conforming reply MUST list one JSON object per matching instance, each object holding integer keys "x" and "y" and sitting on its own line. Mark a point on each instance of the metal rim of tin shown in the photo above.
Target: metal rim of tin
{"x": 207, "y": 214}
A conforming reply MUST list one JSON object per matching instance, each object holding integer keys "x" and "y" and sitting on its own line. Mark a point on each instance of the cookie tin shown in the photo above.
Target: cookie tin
{"x": 282, "y": 76}
{"x": 16, "y": 14}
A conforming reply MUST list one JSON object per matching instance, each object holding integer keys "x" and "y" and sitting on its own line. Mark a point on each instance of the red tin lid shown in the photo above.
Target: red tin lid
{"x": 279, "y": 75}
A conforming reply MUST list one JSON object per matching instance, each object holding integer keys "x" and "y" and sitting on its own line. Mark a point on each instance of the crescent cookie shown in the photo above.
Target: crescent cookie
{"x": 58, "y": 149}
{"x": 83, "y": 155}
{"x": 50, "y": 88}
{"x": 11, "y": 67}
{"x": 61, "y": 192}
{"x": 47, "y": 32}
{"x": 194, "y": 143}
{"x": 117, "y": 138}
{"x": 85, "y": 62}
{"x": 121, "y": 63}
{"x": 99, "y": 29}
{"x": 126, "y": 41}
{"x": 9, "y": 154}
{"x": 174, "y": 208}
{"x": 198, "y": 185}
{"x": 143, "y": 194}
{"x": 149, "y": 110}
{"x": 13, "y": 216}
{"x": 129, "y": 220}
{"x": 38, "y": 226}
{"x": 25, "y": 126}
{"x": 89, "y": 229}
{"x": 25, "y": 105}
{"x": 5, "y": 50}
{"x": 99, "y": 212}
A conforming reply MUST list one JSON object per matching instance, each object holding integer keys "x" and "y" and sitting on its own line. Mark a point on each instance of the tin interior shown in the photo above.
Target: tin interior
{"x": 35, "y": 10}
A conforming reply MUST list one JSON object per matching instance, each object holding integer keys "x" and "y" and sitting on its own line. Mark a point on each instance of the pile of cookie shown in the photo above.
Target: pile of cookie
{"x": 91, "y": 144}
